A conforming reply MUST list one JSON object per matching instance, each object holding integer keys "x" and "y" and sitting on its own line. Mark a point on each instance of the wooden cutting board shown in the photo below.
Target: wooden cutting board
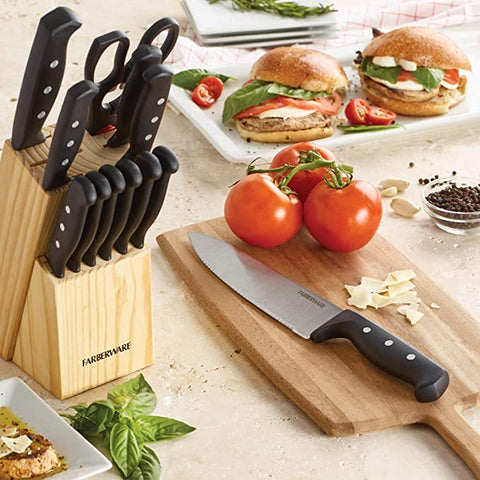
{"x": 331, "y": 382}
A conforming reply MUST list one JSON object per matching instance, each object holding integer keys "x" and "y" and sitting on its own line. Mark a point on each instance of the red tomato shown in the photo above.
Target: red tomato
{"x": 380, "y": 116}
{"x": 207, "y": 91}
{"x": 451, "y": 76}
{"x": 344, "y": 219}
{"x": 356, "y": 111}
{"x": 405, "y": 76}
{"x": 271, "y": 104}
{"x": 214, "y": 85}
{"x": 303, "y": 182}
{"x": 259, "y": 213}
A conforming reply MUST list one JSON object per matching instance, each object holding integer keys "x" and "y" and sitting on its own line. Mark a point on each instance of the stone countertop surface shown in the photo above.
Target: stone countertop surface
{"x": 246, "y": 428}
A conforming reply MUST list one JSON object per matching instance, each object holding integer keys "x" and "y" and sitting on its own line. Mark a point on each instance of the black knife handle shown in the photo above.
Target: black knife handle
{"x": 102, "y": 113}
{"x": 80, "y": 196}
{"x": 143, "y": 57}
{"x": 118, "y": 185}
{"x": 388, "y": 353}
{"x": 169, "y": 163}
{"x": 43, "y": 76}
{"x": 149, "y": 110}
{"x": 68, "y": 133}
{"x": 151, "y": 170}
{"x": 104, "y": 191}
{"x": 133, "y": 179}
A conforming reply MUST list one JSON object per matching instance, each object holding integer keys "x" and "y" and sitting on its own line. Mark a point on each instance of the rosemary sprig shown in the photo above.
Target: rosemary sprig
{"x": 279, "y": 7}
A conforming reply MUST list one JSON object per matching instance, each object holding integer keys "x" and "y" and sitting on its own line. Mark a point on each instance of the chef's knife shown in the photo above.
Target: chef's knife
{"x": 312, "y": 317}
{"x": 151, "y": 170}
{"x": 68, "y": 133}
{"x": 118, "y": 185}
{"x": 133, "y": 179}
{"x": 104, "y": 191}
{"x": 73, "y": 212}
{"x": 169, "y": 163}
{"x": 144, "y": 57}
{"x": 43, "y": 76}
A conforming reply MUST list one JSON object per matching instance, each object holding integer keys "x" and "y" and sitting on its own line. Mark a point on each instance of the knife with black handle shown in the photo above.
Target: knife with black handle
{"x": 73, "y": 213}
{"x": 43, "y": 76}
{"x": 169, "y": 163}
{"x": 133, "y": 179}
{"x": 118, "y": 185}
{"x": 151, "y": 170}
{"x": 104, "y": 191}
{"x": 144, "y": 57}
{"x": 68, "y": 133}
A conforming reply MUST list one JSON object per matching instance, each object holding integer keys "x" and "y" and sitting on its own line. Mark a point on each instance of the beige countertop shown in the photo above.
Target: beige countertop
{"x": 246, "y": 428}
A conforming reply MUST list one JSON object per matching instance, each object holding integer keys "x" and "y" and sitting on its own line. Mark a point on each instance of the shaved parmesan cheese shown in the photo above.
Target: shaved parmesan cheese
{"x": 8, "y": 431}
{"x": 379, "y": 301}
{"x": 373, "y": 284}
{"x": 18, "y": 444}
{"x": 4, "y": 450}
{"x": 360, "y": 297}
{"x": 413, "y": 316}
{"x": 407, "y": 297}
{"x": 399, "y": 288}
{"x": 399, "y": 276}
{"x": 434, "y": 305}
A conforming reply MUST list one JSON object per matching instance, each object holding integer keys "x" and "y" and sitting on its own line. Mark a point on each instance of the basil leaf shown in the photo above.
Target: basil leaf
{"x": 149, "y": 428}
{"x": 136, "y": 396}
{"x": 366, "y": 128}
{"x": 96, "y": 418}
{"x": 124, "y": 449}
{"x": 189, "y": 79}
{"x": 149, "y": 467}
{"x": 390, "y": 74}
{"x": 285, "y": 91}
{"x": 429, "y": 77}
{"x": 247, "y": 96}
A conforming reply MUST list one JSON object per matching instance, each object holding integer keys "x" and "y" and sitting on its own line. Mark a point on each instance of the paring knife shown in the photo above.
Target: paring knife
{"x": 104, "y": 191}
{"x": 144, "y": 57}
{"x": 312, "y": 317}
{"x": 151, "y": 170}
{"x": 73, "y": 212}
{"x": 118, "y": 185}
{"x": 43, "y": 76}
{"x": 170, "y": 165}
{"x": 133, "y": 179}
{"x": 68, "y": 133}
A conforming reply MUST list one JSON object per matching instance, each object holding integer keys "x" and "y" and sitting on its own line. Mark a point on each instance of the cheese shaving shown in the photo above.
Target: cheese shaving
{"x": 399, "y": 288}
{"x": 18, "y": 444}
{"x": 413, "y": 316}
{"x": 4, "y": 450}
{"x": 361, "y": 297}
{"x": 7, "y": 431}
{"x": 373, "y": 284}
{"x": 399, "y": 276}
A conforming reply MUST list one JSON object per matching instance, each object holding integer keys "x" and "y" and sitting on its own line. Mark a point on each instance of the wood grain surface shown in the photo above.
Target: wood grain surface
{"x": 332, "y": 382}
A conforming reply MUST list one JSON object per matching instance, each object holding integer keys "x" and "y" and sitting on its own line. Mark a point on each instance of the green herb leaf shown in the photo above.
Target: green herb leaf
{"x": 96, "y": 418}
{"x": 429, "y": 77}
{"x": 189, "y": 79}
{"x": 149, "y": 467}
{"x": 366, "y": 128}
{"x": 247, "y": 96}
{"x": 284, "y": 91}
{"x": 135, "y": 396}
{"x": 124, "y": 449}
{"x": 390, "y": 74}
{"x": 149, "y": 428}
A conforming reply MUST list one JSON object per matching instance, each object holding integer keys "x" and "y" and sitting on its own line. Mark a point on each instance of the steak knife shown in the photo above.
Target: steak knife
{"x": 73, "y": 212}
{"x": 312, "y": 317}
{"x": 43, "y": 76}
{"x": 170, "y": 165}
{"x": 118, "y": 185}
{"x": 68, "y": 133}
{"x": 151, "y": 170}
{"x": 104, "y": 191}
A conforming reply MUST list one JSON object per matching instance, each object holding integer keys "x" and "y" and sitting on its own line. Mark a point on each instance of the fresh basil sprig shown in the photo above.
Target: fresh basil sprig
{"x": 125, "y": 424}
{"x": 285, "y": 91}
{"x": 429, "y": 77}
{"x": 189, "y": 79}
{"x": 366, "y": 128}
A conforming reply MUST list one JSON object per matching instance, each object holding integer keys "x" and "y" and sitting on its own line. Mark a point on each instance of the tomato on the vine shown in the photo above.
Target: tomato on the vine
{"x": 303, "y": 182}
{"x": 260, "y": 213}
{"x": 343, "y": 219}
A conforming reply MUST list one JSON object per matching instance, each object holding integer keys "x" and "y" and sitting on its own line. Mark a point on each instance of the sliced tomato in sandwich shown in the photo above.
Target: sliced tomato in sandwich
{"x": 405, "y": 76}
{"x": 451, "y": 76}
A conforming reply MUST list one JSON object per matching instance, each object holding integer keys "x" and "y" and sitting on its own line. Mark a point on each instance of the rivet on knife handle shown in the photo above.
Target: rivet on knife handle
{"x": 170, "y": 165}
{"x": 73, "y": 212}
{"x": 43, "y": 76}
{"x": 68, "y": 133}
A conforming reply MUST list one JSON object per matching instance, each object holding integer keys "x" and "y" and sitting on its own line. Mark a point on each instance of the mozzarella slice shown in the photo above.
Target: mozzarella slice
{"x": 407, "y": 65}
{"x": 449, "y": 86}
{"x": 406, "y": 85}
{"x": 285, "y": 112}
{"x": 384, "y": 61}
{"x": 18, "y": 444}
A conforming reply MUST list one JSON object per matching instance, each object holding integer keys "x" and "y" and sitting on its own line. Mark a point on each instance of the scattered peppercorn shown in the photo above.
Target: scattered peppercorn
{"x": 425, "y": 181}
{"x": 454, "y": 173}
{"x": 411, "y": 164}
{"x": 420, "y": 181}
{"x": 436, "y": 177}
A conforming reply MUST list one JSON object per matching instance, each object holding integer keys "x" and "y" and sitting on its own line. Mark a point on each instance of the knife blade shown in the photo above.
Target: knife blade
{"x": 143, "y": 57}
{"x": 312, "y": 317}
{"x": 118, "y": 185}
{"x": 133, "y": 179}
{"x": 104, "y": 191}
{"x": 68, "y": 133}
{"x": 170, "y": 165}
{"x": 151, "y": 170}
{"x": 73, "y": 213}
{"x": 43, "y": 76}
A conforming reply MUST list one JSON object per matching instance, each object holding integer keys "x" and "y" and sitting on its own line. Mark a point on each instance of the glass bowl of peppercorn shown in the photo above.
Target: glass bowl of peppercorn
{"x": 454, "y": 204}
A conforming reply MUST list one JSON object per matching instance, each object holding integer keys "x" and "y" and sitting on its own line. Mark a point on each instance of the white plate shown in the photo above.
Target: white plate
{"x": 234, "y": 148}
{"x": 82, "y": 458}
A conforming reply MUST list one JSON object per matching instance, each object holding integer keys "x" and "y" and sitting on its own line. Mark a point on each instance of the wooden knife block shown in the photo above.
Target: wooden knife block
{"x": 50, "y": 326}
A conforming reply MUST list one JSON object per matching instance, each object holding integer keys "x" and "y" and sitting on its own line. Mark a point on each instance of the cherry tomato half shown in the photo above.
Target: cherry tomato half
{"x": 380, "y": 116}
{"x": 356, "y": 111}
{"x": 207, "y": 92}
{"x": 259, "y": 213}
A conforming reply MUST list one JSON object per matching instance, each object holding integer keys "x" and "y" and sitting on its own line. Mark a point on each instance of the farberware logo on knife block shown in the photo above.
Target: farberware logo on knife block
{"x": 106, "y": 354}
